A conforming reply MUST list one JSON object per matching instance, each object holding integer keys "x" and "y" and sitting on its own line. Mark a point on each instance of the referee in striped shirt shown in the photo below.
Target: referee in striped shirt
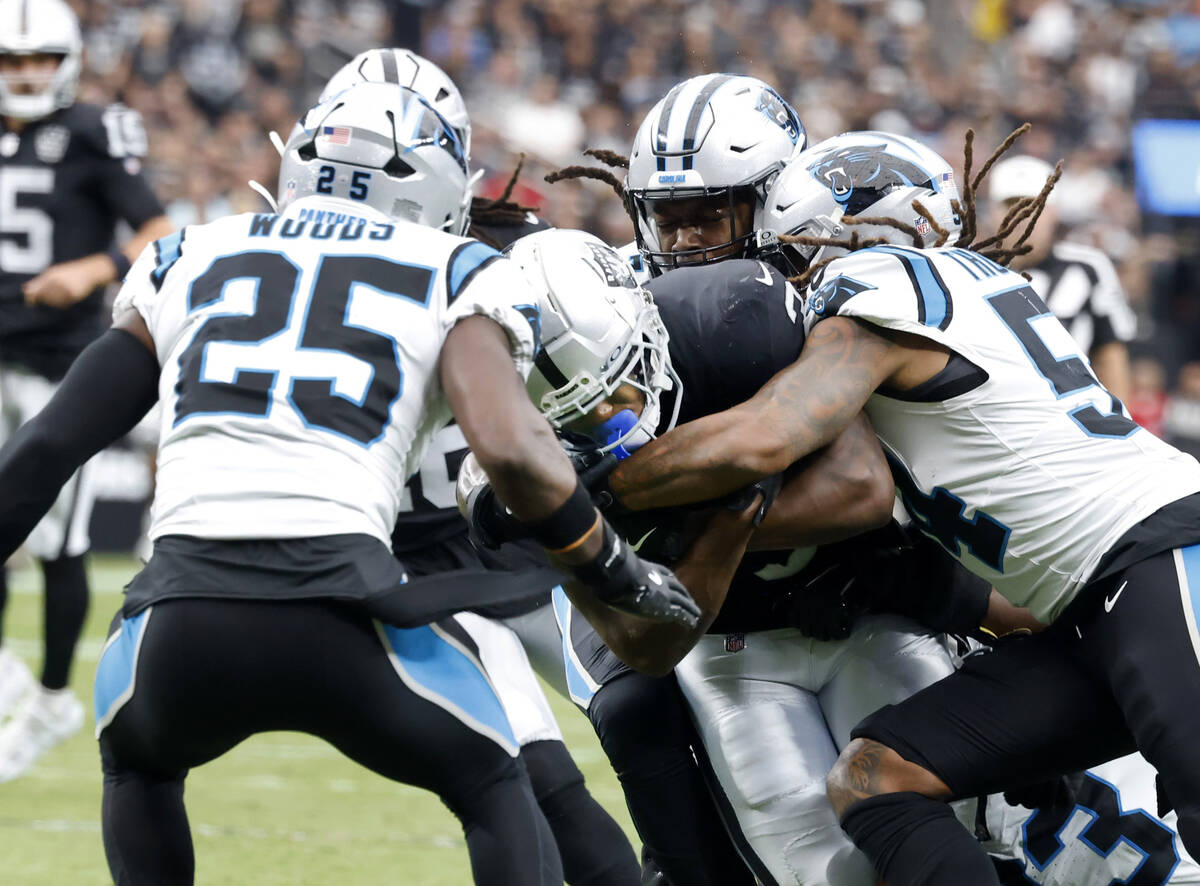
{"x": 1078, "y": 283}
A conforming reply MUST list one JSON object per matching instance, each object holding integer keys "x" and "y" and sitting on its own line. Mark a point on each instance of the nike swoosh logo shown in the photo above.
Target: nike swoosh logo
{"x": 765, "y": 279}
{"x": 1110, "y": 602}
{"x": 637, "y": 547}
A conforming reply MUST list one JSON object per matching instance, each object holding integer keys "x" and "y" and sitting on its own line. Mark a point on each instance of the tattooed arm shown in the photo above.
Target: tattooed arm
{"x": 836, "y": 492}
{"x": 801, "y": 409}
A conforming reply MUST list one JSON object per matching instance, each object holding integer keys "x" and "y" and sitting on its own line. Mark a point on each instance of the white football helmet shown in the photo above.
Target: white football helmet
{"x": 712, "y": 135}
{"x": 406, "y": 68}
{"x": 864, "y": 174}
{"x": 600, "y": 330}
{"x": 382, "y": 145}
{"x": 34, "y": 27}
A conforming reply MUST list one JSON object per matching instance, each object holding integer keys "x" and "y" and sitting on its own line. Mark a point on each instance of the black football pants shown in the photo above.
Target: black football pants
{"x": 199, "y": 676}
{"x": 1119, "y": 669}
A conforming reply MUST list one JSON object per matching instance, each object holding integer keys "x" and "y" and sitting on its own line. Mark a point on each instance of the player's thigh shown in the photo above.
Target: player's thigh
{"x": 885, "y": 660}
{"x": 766, "y": 739}
{"x": 539, "y": 634}
{"x": 1013, "y": 716}
{"x": 507, "y": 665}
{"x": 1140, "y": 631}
{"x": 770, "y": 751}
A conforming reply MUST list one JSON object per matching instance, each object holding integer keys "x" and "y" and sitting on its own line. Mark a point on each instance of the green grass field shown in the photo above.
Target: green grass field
{"x": 280, "y": 809}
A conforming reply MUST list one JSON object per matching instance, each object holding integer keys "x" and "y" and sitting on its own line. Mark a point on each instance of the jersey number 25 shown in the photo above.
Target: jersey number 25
{"x": 325, "y": 329}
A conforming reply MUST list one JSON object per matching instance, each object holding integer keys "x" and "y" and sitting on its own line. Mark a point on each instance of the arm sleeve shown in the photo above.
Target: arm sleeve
{"x": 108, "y": 389}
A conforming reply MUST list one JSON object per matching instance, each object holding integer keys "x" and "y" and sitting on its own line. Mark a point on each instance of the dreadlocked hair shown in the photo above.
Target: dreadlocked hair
{"x": 852, "y": 244}
{"x": 971, "y": 186}
{"x": 1026, "y": 210}
{"x": 609, "y": 158}
{"x": 503, "y": 211}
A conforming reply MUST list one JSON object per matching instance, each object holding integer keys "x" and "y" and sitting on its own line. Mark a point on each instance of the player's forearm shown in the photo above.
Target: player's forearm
{"x": 837, "y": 492}
{"x": 706, "y": 569}
{"x": 512, "y": 442}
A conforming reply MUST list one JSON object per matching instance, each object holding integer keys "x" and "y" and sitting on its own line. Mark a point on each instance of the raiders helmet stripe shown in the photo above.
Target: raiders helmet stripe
{"x": 24, "y": 17}
{"x": 549, "y": 369}
{"x": 390, "y": 73}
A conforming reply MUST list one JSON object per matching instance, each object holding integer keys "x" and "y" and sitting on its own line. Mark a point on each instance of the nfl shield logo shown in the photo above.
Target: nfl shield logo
{"x": 50, "y": 143}
{"x": 735, "y": 642}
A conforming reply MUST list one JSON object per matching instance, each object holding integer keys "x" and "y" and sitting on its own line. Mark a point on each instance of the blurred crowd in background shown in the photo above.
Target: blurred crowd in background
{"x": 549, "y": 78}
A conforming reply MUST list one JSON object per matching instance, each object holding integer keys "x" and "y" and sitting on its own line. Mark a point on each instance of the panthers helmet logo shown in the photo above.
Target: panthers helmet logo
{"x": 780, "y": 113}
{"x": 858, "y": 177}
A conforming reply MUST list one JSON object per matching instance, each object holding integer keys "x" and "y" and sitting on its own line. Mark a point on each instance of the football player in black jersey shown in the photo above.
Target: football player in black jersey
{"x": 69, "y": 172}
{"x": 732, "y": 326}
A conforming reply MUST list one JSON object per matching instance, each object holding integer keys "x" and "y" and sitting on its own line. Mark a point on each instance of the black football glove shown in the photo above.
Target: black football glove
{"x": 621, "y": 579}
{"x": 491, "y": 523}
{"x": 827, "y": 601}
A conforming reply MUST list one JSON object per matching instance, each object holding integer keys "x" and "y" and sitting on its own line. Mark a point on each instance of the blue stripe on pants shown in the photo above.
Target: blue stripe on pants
{"x": 441, "y": 671}
{"x": 1191, "y": 572}
{"x": 116, "y": 670}
{"x": 580, "y": 686}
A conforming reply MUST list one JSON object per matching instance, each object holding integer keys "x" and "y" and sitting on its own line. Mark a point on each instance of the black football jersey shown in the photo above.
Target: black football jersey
{"x": 65, "y": 182}
{"x": 732, "y": 326}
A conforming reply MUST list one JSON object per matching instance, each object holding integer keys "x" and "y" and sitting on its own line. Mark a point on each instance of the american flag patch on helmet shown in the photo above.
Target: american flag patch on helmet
{"x": 337, "y": 135}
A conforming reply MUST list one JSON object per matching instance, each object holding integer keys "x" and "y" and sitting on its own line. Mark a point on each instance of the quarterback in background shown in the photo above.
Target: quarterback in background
{"x": 69, "y": 173}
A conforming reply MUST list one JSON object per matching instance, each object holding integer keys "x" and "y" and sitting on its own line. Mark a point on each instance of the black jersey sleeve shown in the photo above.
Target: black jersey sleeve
{"x": 116, "y": 140}
{"x": 732, "y": 326}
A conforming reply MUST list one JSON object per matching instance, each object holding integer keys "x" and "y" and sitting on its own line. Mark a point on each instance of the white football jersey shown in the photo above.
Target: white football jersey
{"x": 299, "y": 358}
{"x": 1030, "y": 476}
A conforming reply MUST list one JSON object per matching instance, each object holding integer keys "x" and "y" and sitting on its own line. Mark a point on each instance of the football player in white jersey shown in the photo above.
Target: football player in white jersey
{"x": 303, "y": 360}
{"x": 431, "y": 539}
{"x": 1011, "y": 455}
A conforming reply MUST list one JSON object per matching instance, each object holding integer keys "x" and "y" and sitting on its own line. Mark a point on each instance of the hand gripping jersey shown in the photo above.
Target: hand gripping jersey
{"x": 65, "y": 182}
{"x": 299, "y": 355}
{"x": 732, "y": 326}
{"x": 1014, "y": 458}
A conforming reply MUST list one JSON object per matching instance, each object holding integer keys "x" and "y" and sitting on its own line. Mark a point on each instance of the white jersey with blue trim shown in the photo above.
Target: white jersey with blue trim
{"x": 1022, "y": 465}
{"x": 637, "y": 262}
{"x": 299, "y": 357}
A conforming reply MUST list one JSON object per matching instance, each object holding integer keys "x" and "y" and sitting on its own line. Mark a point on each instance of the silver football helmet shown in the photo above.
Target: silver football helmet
{"x": 600, "y": 330}
{"x": 406, "y": 68}
{"x": 385, "y": 146}
{"x": 712, "y": 135}
{"x": 865, "y": 174}
{"x": 39, "y": 27}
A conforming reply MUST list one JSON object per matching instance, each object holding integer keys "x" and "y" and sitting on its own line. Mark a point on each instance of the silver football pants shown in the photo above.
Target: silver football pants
{"x": 773, "y": 716}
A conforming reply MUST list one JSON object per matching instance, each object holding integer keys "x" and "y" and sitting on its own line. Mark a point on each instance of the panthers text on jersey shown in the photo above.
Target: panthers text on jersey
{"x": 1014, "y": 458}
{"x": 299, "y": 359}
{"x": 65, "y": 182}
